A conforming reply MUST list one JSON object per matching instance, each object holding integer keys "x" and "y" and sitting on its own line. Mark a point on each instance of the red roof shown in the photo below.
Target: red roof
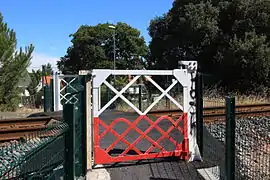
{"x": 47, "y": 79}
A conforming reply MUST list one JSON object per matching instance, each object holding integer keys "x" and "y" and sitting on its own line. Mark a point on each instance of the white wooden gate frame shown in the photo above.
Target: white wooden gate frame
{"x": 58, "y": 97}
{"x": 184, "y": 76}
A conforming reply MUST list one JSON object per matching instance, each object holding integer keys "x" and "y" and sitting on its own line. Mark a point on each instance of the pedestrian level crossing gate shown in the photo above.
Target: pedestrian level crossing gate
{"x": 65, "y": 90}
{"x": 186, "y": 148}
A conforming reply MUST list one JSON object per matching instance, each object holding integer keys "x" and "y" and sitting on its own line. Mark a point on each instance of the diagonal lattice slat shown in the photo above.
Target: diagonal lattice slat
{"x": 119, "y": 94}
{"x": 165, "y": 93}
{"x": 154, "y": 125}
{"x": 120, "y": 137}
{"x": 180, "y": 147}
{"x": 64, "y": 96}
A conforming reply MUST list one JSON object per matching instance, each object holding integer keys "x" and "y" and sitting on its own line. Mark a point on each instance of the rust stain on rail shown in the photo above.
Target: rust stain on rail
{"x": 16, "y": 128}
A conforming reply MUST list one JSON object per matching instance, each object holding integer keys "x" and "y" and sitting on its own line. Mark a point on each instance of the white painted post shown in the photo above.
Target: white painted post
{"x": 191, "y": 110}
{"x": 59, "y": 99}
{"x": 95, "y": 104}
{"x": 54, "y": 90}
{"x": 56, "y": 83}
{"x": 99, "y": 98}
{"x": 186, "y": 95}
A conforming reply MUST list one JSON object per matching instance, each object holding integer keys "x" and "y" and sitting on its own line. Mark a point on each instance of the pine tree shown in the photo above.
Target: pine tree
{"x": 36, "y": 77}
{"x": 13, "y": 67}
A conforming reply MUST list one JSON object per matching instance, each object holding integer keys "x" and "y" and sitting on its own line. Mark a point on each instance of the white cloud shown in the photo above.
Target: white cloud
{"x": 39, "y": 59}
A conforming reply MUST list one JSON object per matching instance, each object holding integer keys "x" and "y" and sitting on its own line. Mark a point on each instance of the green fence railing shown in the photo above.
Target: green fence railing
{"x": 35, "y": 156}
{"x": 74, "y": 115}
{"x": 238, "y": 144}
{"x": 57, "y": 152}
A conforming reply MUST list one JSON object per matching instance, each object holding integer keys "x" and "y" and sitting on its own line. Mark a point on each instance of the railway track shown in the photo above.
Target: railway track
{"x": 216, "y": 113}
{"x": 16, "y": 128}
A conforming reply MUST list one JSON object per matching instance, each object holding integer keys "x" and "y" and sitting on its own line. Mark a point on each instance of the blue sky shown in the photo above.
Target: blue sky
{"x": 48, "y": 23}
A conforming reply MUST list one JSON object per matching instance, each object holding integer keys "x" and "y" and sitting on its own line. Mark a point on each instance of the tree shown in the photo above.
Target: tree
{"x": 93, "y": 47}
{"x": 47, "y": 70}
{"x": 36, "y": 77}
{"x": 13, "y": 67}
{"x": 229, "y": 39}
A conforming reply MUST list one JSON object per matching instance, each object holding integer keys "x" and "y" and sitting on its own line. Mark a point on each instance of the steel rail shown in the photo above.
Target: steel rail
{"x": 212, "y": 114}
{"x": 16, "y": 128}
{"x": 215, "y": 108}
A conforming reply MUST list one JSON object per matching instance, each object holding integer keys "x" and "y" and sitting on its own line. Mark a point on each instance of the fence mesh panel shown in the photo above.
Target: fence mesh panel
{"x": 35, "y": 156}
{"x": 75, "y": 91}
{"x": 252, "y": 141}
{"x": 252, "y": 145}
{"x": 214, "y": 137}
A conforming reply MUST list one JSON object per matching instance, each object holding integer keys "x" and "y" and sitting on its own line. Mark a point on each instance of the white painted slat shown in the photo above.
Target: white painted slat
{"x": 123, "y": 98}
{"x": 160, "y": 97}
{"x": 142, "y": 72}
{"x": 162, "y": 90}
{"x": 118, "y": 94}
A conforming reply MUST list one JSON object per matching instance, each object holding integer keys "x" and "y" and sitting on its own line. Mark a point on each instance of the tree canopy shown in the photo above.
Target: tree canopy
{"x": 13, "y": 66}
{"x": 229, "y": 39}
{"x": 47, "y": 69}
{"x": 36, "y": 78}
{"x": 93, "y": 47}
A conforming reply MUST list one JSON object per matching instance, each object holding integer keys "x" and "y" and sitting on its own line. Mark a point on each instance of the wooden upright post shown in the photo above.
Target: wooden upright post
{"x": 88, "y": 118}
{"x": 89, "y": 123}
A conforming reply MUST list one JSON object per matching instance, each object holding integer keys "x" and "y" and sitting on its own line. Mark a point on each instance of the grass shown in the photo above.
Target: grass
{"x": 214, "y": 95}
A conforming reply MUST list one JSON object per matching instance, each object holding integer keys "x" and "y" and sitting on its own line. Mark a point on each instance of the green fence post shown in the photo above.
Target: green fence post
{"x": 46, "y": 90}
{"x": 82, "y": 97}
{"x": 199, "y": 110}
{"x": 230, "y": 139}
{"x": 69, "y": 115}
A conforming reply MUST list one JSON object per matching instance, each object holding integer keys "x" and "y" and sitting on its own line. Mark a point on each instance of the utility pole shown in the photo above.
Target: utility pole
{"x": 114, "y": 49}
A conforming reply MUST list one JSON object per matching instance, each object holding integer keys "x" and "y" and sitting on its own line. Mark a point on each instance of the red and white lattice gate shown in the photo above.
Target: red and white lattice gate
{"x": 185, "y": 149}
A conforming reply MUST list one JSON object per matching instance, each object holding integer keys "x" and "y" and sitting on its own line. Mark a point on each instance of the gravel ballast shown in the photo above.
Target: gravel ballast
{"x": 32, "y": 153}
{"x": 252, "y": 143}
{"x": 14, "y": 152}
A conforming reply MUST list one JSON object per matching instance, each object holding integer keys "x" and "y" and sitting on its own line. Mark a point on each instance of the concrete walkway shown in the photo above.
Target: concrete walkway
{"x": 166, "y": 170}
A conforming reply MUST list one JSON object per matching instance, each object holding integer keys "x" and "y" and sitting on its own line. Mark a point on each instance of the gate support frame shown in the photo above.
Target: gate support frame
{"x": 92, "y": 107}
{"x": 185, "y": 76}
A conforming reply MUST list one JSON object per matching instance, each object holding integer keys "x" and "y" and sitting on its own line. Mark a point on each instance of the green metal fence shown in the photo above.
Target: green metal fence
{"x": 76, "y": 110}
{"x": 36, "y": 156}
{"x": 56, "y": 152}
{"x": 248, "y": 144}
{"x": 48, "y": 98}
{"x": 237, "y": 144}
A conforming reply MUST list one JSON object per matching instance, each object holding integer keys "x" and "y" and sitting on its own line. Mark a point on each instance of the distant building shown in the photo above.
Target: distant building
{"x": 26, "y": 80}
{"x": 46, "y": 80}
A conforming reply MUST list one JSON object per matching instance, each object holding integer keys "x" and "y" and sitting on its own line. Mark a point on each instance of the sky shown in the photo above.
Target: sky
{"x": 47, "y": 24}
